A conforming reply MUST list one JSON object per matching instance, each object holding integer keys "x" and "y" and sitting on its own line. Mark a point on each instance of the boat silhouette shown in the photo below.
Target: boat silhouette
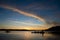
{"x": 42, "y": 32}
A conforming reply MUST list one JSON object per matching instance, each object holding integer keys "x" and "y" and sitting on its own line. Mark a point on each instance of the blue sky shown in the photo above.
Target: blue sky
{"x": 49, "y": 10}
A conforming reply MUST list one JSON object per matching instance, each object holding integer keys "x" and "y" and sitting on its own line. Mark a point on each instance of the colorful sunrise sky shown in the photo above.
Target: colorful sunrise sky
{"x": 29, "y": 14}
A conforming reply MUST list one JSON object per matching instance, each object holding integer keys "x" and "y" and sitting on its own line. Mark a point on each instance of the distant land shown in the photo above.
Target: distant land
{"x": 17, "y": 30}
{"x": 8, "y": 30}
{"x": 54, "y": 29}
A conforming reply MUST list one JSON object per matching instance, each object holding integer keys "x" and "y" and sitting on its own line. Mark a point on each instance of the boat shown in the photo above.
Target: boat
{"x": 42, "y": 32}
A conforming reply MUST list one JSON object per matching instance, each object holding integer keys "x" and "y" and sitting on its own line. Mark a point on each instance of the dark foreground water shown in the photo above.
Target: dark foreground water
{"x": 27, "y": 35}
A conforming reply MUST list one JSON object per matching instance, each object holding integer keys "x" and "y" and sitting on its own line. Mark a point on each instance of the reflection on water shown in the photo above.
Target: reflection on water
{"x": 27, "y": 35}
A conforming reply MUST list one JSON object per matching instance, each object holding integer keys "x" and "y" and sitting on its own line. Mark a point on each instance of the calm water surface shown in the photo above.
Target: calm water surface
{"x": 27, "y": 35}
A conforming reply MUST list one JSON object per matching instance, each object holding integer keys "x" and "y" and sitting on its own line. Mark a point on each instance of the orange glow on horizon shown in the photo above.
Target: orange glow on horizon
{"x": 26, "y": 27}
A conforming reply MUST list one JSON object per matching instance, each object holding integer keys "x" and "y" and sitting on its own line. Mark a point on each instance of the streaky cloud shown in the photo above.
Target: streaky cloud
{"x": 21, "y": 22}
{"x": 23, "y": 12}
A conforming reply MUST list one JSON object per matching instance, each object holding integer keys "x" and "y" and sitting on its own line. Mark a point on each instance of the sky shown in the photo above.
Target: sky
{"x": 29, "y": 14}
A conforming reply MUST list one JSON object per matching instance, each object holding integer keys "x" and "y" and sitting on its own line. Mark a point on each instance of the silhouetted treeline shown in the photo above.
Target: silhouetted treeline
{"x": 16, "y": 30}
{"x": 55, "y": 28}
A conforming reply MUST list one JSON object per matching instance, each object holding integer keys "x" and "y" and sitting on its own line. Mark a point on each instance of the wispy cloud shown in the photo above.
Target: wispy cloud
{"x": 24, "y": 13}
{"x": 22, "y": 23}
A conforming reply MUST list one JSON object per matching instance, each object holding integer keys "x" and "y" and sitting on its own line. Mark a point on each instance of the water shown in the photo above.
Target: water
{"x": 27, "y": 35}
